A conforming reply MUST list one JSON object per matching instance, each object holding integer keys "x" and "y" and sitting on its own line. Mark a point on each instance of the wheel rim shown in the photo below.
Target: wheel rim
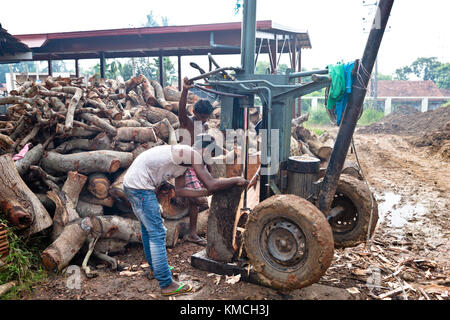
{"x": 347, "y": 218}
{"x": 283, "y": 244}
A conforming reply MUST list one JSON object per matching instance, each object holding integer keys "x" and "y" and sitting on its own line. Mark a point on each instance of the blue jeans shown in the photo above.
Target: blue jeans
{"x": 146, "y": 208}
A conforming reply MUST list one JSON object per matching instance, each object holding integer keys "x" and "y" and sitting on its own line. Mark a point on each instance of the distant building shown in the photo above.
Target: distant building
{"x": 421, "y": 95}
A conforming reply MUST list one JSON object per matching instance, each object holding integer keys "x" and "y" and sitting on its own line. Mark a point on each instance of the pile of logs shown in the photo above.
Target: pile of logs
{"x": 65, "y": 146}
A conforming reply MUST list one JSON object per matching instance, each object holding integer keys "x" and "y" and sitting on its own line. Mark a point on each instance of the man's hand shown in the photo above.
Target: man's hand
{"x": 242, "y": 182}
{"x": 187, "y": 84}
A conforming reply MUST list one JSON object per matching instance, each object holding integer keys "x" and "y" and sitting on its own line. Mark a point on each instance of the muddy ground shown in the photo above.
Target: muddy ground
{"x": 409, "y": 256}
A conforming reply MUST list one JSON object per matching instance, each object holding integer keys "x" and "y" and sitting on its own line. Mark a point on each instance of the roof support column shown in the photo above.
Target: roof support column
{"x": 102, "y": 64}
{"x": 180, "y": 83}
{"x": 77, "y": 69}
{"x": 299, "y": 69}
{"x": 161, "y": 70}
{"x": 50, "y": 69}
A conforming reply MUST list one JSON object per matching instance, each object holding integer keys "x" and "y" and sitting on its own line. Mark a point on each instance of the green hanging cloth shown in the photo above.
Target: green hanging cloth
{"x": 337, "y": 86}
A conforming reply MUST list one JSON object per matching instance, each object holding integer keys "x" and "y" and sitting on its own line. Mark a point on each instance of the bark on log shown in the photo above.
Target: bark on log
{"x": 87, "y": 162}
{"x": 351, "y": 168}
{"x": 100, "y": 142}
{"x": 20, "y": 205}
{"x": 145, "y": 146}
{"x": 98, "y": 185}
{"x": 74, "y": 102}
{"x": 86, "y": 209}
{"x": 159, "y": 93}
{"x": 31, "y": 157}
{"x": 181, "y": 227}
{"x": 117, "y": 192}
{"x": 107, "y": 202}
{"x": 149, "y": 93}
{"x": 172, "y": 94}
{"x": 155, "y": 115}
{"x": 65, "y": 212}
{"x": 59, "y": 254}
{"x": 140, "y": 134}
{"x": 224, "y": 214}
{"x": 126, "y": 123}
{"x": 100, "y": 122}
{"x": 73, "y": 186}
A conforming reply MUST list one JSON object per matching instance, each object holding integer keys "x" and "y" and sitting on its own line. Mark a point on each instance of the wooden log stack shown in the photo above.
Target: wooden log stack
{"x": 65, "y": 146}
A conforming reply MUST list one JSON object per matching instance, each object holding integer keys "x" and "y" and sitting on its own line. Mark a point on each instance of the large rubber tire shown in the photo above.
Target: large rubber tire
{"x": 293, "y": 213}
{"x": 350, "y": 228}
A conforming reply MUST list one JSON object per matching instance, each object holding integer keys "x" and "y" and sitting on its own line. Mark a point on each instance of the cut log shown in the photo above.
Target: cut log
{"x": 149, "y": 93}
{"x": 107, "y": 202}
{"x": 173, "y": 208}
{"x": 86, "y": 209}
{"x": 100, "y": 122}
{"x": 159, "y": 94}
{"x": 73, "y": 186}
{"x": 117, "y": 192}
{"x": 155, "y": 115}
{"x": 181, "y": 227}
{"x": 126, "y": 123}
{"x": 172, "y": 94}
{"x": 140, "y": 134}
{"x": 98, "y": 185}
{"x": 145, "y": 146}
{"x": 59, "y": 254}
{"x": 133, "y": 83}
{"x": 20, "y": 205}
{"x": 31, "y": 157}
{"x": 87, "y": 162}
{"x": 100, "y": 142}
{"x": 73, "y": 104}
{"x": 65, "y": 212}
{"x": 4, "y": 288}
{"x": 351, "y": 168}
{"x": 223, "y": 216}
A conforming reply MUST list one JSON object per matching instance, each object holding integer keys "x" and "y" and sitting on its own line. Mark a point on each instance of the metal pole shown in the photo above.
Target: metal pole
{"x": 77, "y": 68}
{"x": 102, "y": 64}
{"x": 180, "y": 81}
{"x": 354, "y": 106}
{"x": 161, "y": 70}
{"x": 248, "y": 38}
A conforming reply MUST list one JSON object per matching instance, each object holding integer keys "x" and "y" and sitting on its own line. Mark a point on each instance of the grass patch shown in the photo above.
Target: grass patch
{"x": 23, "y": 264}
{"x": 370, "y": 116}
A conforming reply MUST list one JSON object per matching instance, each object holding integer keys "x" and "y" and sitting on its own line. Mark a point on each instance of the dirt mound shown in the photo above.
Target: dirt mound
{"x": 413, "y": 124}
{"x": 437, "y": 141}
{"x": 405, "y": 109}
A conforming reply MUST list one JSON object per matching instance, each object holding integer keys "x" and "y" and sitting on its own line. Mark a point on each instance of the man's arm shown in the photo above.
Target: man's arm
{"x": 182, "y": 111}
{"x": 214, "y": 185}
{"x": 182, "y": 191}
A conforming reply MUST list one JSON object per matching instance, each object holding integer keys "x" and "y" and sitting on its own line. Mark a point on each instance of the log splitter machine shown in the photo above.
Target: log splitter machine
{"x": 287, "y": 240}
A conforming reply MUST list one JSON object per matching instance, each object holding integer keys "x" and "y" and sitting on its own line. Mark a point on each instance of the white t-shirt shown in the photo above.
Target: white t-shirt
{"x": 155, "y": 166}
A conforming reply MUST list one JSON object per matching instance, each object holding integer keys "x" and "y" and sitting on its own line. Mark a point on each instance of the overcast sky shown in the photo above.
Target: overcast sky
{"x": 418, "y": 28}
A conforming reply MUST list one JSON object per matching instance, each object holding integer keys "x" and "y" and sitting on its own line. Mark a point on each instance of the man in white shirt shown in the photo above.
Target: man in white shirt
{"x": 148, "y": 171}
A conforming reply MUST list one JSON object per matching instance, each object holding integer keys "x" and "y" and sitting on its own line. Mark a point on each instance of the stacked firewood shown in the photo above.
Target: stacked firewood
{"x": 65, "y": 146}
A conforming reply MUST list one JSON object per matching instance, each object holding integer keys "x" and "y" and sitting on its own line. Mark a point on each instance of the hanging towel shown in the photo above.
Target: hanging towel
{"x": 342, "y": 103}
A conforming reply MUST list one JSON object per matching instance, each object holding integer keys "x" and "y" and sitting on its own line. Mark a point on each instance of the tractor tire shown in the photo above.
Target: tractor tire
{"x": 351, "y": 225}
{"x": 289, "y": 242}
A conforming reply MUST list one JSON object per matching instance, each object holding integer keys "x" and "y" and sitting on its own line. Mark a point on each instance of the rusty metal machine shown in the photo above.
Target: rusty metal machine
{"x": 289, "y": 237}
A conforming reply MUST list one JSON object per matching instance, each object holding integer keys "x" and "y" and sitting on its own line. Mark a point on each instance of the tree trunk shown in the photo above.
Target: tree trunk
{"x": 87, "y": 162}
{"x": 159, "y": 93}
{"x": 223, "y": 216}
{"x": 20, "y": 205}
{"x": 98, "y": 185}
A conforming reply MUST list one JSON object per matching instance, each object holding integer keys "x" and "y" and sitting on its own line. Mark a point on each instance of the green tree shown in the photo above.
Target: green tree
{"x": 426, "y": 69}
